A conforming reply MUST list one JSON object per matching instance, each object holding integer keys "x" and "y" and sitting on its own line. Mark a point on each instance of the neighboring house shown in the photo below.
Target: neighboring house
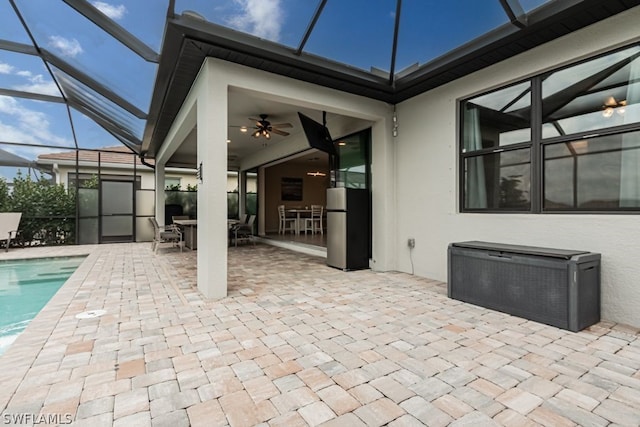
{"x": 117, "y": 163}
{"x": 111, "y": 163}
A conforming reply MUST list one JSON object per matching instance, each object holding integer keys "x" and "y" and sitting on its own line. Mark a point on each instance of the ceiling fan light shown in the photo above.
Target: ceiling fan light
{"x": 611, "y": 102}
{"x": 267, "y": 135}
{"x": 256, "y": 134}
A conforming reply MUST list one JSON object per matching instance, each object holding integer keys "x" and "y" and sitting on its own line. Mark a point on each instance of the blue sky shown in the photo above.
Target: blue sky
{"x": 356, "y": 32}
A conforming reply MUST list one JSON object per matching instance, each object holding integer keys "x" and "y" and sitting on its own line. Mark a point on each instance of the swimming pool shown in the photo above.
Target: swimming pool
{"x": 26, "y": 286}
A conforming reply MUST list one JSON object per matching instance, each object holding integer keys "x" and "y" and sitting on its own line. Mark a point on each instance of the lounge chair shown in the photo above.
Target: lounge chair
{"x": 9, "y": 222}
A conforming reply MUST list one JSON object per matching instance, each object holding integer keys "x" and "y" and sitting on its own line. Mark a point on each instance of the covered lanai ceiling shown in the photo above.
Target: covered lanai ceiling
{"x": 119, "y": 70}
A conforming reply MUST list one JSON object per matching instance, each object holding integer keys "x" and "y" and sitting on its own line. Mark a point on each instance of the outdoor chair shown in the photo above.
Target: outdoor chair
{"x": 167, "y": 234}
{"x": 243, "y": 232}
{"x": 9, "y": 222}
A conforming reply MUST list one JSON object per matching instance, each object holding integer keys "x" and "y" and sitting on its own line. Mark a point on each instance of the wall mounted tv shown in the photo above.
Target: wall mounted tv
{"x": 317, "y": 135}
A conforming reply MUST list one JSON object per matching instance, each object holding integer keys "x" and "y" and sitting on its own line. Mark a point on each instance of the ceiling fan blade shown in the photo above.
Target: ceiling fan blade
{"x": 279, "y": 132}
{"x": 282, "y": 125}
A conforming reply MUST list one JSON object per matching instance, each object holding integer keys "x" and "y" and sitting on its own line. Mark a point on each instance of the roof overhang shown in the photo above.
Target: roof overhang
{"x": 189, "y": 40}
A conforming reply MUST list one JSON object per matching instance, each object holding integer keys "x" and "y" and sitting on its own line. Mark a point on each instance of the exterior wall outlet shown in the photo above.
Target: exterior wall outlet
{"x": 411, "y": 242}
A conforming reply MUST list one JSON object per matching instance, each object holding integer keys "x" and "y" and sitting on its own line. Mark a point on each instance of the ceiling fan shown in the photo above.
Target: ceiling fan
{"x": 264, "y": 127}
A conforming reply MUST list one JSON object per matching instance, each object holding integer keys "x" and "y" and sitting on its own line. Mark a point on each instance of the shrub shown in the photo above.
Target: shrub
{"x": 48, "y": 211}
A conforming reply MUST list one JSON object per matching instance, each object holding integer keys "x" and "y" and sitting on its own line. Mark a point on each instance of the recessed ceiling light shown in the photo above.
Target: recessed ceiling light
{"x": 243, "y": 129}
{"x": 228, "y": 141}
{"x": 342, "y": 143}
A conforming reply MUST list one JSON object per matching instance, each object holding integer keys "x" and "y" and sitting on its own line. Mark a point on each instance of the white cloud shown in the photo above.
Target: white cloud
{"x": 26, "y": 125}
{"x": 67, "y": 47}
{"x": 112, "y": 11}
{"x": 25, "y": 73}
{"x": 39, "y": 86}
{"x": 262, "y": 18}
{"x": 6, "y": 68}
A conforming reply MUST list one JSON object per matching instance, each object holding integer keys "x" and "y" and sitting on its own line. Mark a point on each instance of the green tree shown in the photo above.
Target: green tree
{"x": 5, "y": 201}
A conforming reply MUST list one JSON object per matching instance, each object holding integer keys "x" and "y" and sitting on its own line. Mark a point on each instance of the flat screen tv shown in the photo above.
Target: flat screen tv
{"x": 317, "y": 135}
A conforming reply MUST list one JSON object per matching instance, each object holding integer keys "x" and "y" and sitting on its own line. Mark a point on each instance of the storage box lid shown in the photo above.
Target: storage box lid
{"x": 518, "y": 249}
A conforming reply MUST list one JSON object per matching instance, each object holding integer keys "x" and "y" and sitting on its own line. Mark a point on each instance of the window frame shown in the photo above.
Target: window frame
{"x": 537, "y": 145}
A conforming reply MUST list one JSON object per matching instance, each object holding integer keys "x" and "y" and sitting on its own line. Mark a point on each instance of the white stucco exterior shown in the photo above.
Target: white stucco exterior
{"x": 427, "y": 179}
{"x": 415, "y": 174}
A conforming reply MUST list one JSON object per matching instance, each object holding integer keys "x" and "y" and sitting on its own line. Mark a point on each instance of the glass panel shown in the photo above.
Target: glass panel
{"x": 144, "y": 229}
{"x": 498, "y": 181}
{"x": 251, "y": 196}
{"x": 25, "y": 73}
{"x": 353, "y": 165}
{"x": 144, "y": 19}
{"x": 597, "y": 94}
{"x": 88, "y": 231}
{"x": 88, "y": 202}
{"x": 430, "y": 28}
{"x": 100, "y": 108}
{"x": 81, "y": 43}
{"x": 493, "y": 120}
{"x": 117, "y": 198}
{"x": 232, "y": 205}
{"x": 600, "y": 173}
{"x": 180, "y": 203}
{"x": 283, "y": 21}
{"x": 11, "y": 28}
{"x": 365, "y": 39}
{"x": 91, "y": 135}
{"x": 145, "y": 202}
{"x": 117, "y": 227}
{"x": 251, "y": 207}
{"x": 25, "y": 121}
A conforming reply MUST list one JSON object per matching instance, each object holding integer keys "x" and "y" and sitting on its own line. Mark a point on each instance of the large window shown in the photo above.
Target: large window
{"x": 568, "y": 140}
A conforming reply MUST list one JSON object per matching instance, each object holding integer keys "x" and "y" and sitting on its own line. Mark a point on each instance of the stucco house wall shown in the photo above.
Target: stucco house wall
{"x": 427, "y": 191}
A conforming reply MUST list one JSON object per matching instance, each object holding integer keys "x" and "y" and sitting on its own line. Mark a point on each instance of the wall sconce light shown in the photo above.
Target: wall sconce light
{"x": 199, "y": 173}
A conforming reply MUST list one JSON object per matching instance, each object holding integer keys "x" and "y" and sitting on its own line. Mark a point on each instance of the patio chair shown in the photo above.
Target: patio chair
{"x": 244, "y": 232}
{"x": 167, "y": 234}
{"x": 9, "y": 222}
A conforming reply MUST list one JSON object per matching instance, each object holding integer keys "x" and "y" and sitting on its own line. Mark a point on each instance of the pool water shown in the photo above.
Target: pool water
{"x": 25, "y": 288}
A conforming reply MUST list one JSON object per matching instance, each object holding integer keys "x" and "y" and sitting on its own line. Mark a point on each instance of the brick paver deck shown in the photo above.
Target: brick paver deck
{"x": 298, "y": 343}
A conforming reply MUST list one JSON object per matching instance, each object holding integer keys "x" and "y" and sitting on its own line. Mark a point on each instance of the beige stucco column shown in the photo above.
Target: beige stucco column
{"x": 159, "y": 182}
{"x": 212, "y": 190}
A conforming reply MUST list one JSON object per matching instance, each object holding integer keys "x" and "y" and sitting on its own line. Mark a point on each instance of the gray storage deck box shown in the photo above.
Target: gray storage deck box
{"x": 553, "y": 286}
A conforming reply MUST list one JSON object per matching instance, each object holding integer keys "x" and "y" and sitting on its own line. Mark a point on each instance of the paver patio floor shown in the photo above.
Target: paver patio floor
{"x": 298, "y": 343}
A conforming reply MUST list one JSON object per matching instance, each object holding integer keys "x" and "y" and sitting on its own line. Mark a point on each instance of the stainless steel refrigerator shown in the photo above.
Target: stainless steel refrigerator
{"x": 348, "y": 230}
